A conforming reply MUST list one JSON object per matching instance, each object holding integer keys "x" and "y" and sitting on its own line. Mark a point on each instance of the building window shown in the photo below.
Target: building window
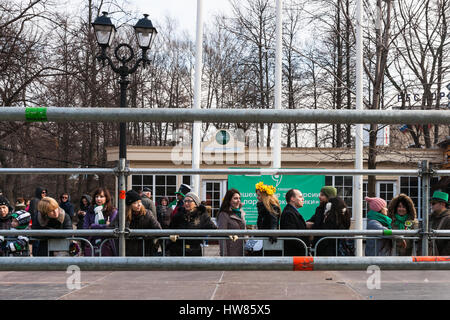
{"x": 344, "y": 186}
{"x": 186, "y": 180}
{"x": 213, "y": 195}
{"x": 162, "y": 186}
{"x": 411, "y": 187}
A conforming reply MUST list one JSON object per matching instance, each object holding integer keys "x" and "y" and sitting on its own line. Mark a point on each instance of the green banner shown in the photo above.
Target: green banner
{"x": 309, "y": 185}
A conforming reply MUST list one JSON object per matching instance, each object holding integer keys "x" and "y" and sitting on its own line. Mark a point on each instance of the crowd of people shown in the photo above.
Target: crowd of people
{"x": 98, "y": 212}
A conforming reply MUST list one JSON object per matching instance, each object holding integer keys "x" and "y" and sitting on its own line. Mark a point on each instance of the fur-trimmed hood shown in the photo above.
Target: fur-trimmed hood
{"x": 412, "y": 213}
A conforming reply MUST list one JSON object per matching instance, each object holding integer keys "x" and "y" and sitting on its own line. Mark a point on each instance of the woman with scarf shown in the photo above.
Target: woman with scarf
{"x": 99, "y": 216}
{"x": 138, "y": 217}
{"x": 403, "y": 214}
{"x": 231, "y": 217}
{"x": 377, "y": 219}
{"x": 192, "y": 215}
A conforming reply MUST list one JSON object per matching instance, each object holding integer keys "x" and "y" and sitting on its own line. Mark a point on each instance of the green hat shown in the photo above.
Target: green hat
{"x": 440, "y": 197}
{"x": 330, "y": 192}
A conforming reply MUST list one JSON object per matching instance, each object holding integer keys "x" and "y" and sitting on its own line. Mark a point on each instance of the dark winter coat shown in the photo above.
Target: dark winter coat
{"x": 291, "y": 219}
{"x": 45, "y": 223}
{"x": 34, "y": 203}
{"x": 163, "y": 214}
{"x": 84, "y": 208}
{"x": 108, "y": 248}
{"x": 226, "y": 220}
{"x": 149, "y": 205}
{"x": 197, "y": 219}
{"x": 134, "y": 247}
{"x": 5, "y": 222}
{"x": 317, "y": 219}
{"x": 440, "y": 222}
{"x": 266, "y": 220}
{"x": 68, "y": 207}
{"x": 333, "y": 215}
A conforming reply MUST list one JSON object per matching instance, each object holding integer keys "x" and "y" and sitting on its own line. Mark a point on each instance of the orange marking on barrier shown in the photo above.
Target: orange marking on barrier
{"x": 430, "y": 259}
{"x": 303, "y": 263}
{"x": 122, "y": 194}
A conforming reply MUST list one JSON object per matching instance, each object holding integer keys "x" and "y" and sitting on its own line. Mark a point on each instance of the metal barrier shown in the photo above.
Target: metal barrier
{"x": 224, "y": 263}
{"x": 64, "y": 114}
{"x": 237, "y": 116}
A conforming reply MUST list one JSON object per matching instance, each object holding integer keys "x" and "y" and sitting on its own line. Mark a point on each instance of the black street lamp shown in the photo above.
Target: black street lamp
{"x": 104, "y": 33}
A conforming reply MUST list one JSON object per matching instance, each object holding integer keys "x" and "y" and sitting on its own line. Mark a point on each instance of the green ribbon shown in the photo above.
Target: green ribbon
{"x": 36, "y": 114}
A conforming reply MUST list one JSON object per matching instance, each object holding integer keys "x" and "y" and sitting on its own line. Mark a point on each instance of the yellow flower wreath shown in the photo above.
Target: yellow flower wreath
{"x": 269, "y": 190}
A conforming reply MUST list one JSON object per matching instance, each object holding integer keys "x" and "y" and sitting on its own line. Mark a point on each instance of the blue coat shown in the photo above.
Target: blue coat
{"x": 377, "y": 247}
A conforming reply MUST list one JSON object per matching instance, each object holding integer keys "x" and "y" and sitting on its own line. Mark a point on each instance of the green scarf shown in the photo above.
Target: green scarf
{"x": 381, "y": 218}
{"x": 236, "y": 212}
{"x": 400, "y": 221}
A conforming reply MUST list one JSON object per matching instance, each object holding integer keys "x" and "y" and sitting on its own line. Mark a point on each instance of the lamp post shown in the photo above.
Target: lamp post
{"x": 104, "y": 33}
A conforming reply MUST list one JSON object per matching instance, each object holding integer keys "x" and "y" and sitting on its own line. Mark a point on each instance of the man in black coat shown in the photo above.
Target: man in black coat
{"x": 291, "y": 219}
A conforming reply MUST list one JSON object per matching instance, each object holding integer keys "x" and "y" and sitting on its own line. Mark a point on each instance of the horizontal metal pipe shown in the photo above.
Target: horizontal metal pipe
{"x": 268, "y": 171}
{"x": 59, "y": 233}
{"x": 293, "y": 233}
{"x": 59, "y": 171}
{"x": 441, "y": 233}
{"x": 441, "y": 173}
{"x": 222, "y": 263}
{"x": 64, "y": 114}
{"x": 206, "y": 232}
{"x": 162, "y": 171}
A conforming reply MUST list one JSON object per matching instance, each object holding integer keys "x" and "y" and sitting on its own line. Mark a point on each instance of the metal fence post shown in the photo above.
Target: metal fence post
{"x": 425, "y": 175}
{"x": 122, "y": 192}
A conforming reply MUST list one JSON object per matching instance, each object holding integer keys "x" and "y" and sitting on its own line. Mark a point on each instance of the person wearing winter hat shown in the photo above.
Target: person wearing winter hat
{"x": 137, "y": 217}
{"x": 440, "y": 220}
{"x": 328, "y": 192}
{"x": 5, "y": 214}
{"x": 19, "y": 246}
{"x": 147, "y": 201}
{"x": 192, "y": 215}
{"x": 181, "y": 193}
{"x": 377, "y": 219}
{"x": 316, "y": 222}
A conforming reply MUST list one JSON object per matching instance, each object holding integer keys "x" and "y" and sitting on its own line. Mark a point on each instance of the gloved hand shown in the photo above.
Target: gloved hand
{"x": 233, "y": 238}
{"x": 173, "y": 238}
{"x": 273, "y": 239}
{"x": 74, "y": 249}
{"x": 18, "y": 245}
{"x": 2, "y": 238}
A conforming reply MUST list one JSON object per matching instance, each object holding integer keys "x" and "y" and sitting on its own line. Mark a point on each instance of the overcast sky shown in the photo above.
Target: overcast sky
{"x": 185, "y": 11}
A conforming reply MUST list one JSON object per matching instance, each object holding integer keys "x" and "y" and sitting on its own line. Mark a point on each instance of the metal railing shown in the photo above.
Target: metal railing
{"x": 64, "y": 114}
{"x": 60, "y": 114}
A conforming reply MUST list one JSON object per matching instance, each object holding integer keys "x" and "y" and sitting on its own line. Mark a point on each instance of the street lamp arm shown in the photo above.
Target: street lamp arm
{"x": 144, "y": 61}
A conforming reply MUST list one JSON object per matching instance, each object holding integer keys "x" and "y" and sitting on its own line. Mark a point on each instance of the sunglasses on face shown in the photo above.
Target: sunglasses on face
{"x": 188, "y": 201}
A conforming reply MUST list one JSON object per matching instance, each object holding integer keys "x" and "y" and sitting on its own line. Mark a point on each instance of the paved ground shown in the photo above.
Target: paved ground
{"x": 228, "y": 285}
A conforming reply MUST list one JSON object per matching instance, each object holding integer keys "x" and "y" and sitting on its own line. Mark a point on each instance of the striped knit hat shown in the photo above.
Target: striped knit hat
{"x": 376, "y": 204}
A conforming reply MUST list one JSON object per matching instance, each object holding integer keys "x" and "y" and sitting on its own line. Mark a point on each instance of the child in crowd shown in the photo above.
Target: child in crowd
{"x": 20, "y": 246}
